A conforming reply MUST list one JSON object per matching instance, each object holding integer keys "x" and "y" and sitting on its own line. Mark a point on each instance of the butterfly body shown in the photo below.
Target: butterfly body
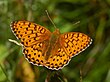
{"x": 52, "y": 50}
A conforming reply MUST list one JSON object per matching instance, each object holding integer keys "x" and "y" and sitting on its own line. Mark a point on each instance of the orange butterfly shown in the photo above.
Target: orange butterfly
{"x": 52, "y": 50}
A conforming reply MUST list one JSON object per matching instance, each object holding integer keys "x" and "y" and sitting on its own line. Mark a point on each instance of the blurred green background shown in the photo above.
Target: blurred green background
{"x": 92, "y": 65}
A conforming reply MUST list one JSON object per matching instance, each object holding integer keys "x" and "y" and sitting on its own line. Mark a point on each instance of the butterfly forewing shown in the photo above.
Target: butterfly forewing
{"x": 74, "y": 42}
{"x": 30, "y": 33}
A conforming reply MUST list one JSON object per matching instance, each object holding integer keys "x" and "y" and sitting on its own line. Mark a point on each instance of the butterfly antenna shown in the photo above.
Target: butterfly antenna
{"x": 50, "y": 19}
{"x": 76, "y": 23}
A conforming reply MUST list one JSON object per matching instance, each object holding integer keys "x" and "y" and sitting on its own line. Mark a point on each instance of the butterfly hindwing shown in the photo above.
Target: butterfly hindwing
{"x": 58, "y": 60}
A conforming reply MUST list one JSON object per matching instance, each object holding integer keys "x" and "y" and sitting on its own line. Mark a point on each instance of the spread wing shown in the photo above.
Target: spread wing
{"x": 69, "y": 45}
{"x": 34, "y": 38}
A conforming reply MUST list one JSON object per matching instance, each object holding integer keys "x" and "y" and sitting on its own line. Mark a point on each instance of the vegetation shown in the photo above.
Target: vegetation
{"x": 92, "y": 65}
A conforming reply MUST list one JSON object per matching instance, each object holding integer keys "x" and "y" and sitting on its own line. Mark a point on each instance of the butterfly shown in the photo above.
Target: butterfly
{"x": 50, "y": 49}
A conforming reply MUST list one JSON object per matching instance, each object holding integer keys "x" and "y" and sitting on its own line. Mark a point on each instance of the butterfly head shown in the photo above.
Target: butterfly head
{"x": 56, "y": 32}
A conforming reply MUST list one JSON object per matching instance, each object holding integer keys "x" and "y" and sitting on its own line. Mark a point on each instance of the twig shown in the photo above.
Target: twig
{"x": 19, "y": 44}
{"x": 5, "y": 73}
